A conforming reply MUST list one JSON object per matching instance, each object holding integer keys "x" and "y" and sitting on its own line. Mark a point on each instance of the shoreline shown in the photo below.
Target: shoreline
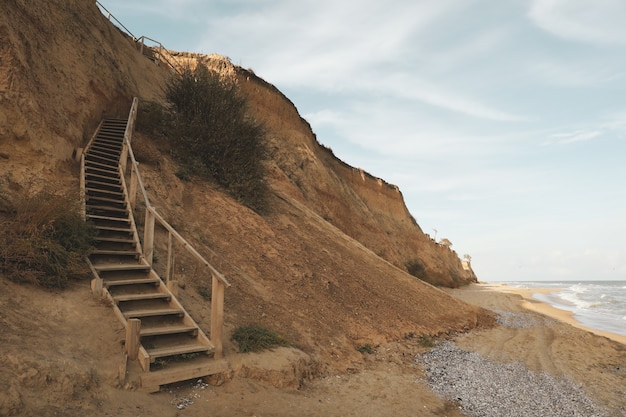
{"x": 529, "y": 302}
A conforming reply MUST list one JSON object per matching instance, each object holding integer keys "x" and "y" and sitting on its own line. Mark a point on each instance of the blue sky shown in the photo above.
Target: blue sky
{"x": 502, "y": 122}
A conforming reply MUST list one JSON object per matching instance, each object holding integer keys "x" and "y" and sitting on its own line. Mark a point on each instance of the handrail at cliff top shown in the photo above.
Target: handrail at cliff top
{"x": 160, "y": 51}
{"x": 139, "y": 39}
{"x": 110, "y": 16}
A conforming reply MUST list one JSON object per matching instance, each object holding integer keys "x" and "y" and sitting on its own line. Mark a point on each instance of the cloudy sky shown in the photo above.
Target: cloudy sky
{"x": 502, "y": 122}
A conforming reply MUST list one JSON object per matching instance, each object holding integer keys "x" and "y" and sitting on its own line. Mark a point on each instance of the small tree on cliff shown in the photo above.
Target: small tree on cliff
{"x": 214, "y": 135}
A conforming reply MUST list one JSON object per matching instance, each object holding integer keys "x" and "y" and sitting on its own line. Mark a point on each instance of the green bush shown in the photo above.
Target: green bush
{"x": 416, "y": 268}
{"x": 366, "y": 348}
{"x": 426, "y": 341}
{"x": 212, "y": 134}
{"x": 255, "y": 338}
{"x": 44, "y": 240}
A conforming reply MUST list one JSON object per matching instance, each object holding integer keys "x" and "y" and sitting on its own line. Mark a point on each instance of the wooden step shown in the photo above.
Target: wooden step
{"x": 104, "y": 157}
{"x": 105, "y": 252}
{"x": 100, "y": 185}
{"x": 103, "y": 178}
{"x": 115, "y": 229}
{"x": 107, "y": 146}
{"x": 107, "y": 208}
{"x": 113, "y": 141}
{"x": 102, "y": 172}
{"x": 122, "y": 267}
{"x": 111, "y": 135}
{"x": 98, "y": 165}
{"x": 168, "y": 329}
{"x": 106, "y": 152}
{"x": 114, "y": 239}
{"x": 114, "y": 125}
{"x": 131, "y": 281}
{"x": 176, "y": 372}
{"x": 147, "y": 312}
{"x": 106, "y": 200}
{"x": 111, "y": 219}
{"x": 113, "y": 128}
{"x": 142, "y": 296}
{"x": 103, "y": 191}
{"x": 161, "y": 352}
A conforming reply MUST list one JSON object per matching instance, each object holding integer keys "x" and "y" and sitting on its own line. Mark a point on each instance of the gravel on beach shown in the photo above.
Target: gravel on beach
{"x": 484, "y": 388}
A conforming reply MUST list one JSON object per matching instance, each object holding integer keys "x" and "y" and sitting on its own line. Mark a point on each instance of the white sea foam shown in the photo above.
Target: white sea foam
{"x": 599, "y": 305}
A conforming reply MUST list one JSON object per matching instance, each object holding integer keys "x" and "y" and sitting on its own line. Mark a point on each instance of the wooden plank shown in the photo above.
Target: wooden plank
{"x": 170, "y": 260}
{"x": 132, "y": 193}
{"x": 133, "y": 337}
{"x": 132, "y": 281}
{"x": 177, "y": 350}
{"x": 116, "y": 252}
{"x": 163, "y": 330}
{"x": 217, "y": 316}
{"x": 122, "y": 267}
{"x": 153, "y": 312}
{"x": 157, "y": 378}
{"x": 148, "y": 237}
{"x": 138, "y": 296}
{"x": 144, "y": 359}
{"x": 113, "y": 219}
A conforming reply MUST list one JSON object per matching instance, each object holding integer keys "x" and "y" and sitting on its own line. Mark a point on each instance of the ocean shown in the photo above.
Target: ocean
{"x": 599, "y": 305}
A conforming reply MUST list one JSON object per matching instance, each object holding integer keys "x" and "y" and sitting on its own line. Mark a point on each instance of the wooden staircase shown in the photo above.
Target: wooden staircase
{"x": 170, "y": 346}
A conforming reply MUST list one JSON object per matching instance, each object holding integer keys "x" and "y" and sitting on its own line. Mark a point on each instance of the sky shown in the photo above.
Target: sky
{"x": 503, "y": 123}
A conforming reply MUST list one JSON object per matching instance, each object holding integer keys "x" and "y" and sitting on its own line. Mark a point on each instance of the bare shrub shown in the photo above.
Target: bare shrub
{"x": 44, "y": 240}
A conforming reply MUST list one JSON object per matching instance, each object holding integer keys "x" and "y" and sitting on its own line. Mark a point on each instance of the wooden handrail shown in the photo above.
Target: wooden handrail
{"x": 149, "y": 207}
{"x": 142, "y": 40}
{"x": 139, "y": 39}
{"x": 187, "y": 245}
{"x": 110, "y": 16}
{"x": 219, "y": 282}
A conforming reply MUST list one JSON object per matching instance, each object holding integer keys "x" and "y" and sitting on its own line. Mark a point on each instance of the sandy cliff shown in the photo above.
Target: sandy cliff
{"x": 326, "y": 267}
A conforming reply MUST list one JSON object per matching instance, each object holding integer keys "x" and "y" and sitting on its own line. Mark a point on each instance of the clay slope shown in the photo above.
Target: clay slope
{"x": 324, "y": 269}
{"x": 362, "y": 206}
{"x": 62, "y": 66}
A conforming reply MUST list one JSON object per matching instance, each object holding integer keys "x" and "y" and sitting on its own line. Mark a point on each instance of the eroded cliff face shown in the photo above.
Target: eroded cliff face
{"x": 62, "y": 67}
{"x": 362, "y": 206}
{"x": 319, "y": 268}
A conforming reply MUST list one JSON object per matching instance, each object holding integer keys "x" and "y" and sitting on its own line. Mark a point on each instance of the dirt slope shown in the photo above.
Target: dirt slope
{"x": 324, "y": 269}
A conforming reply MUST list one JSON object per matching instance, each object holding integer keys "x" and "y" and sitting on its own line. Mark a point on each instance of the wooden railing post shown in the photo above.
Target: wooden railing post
{"x": 133, "y": 331}
{"x": 148, "y": 237}
{"x": 170, "y": 257}
{"x": 217, "y": 315}
{"x": 132, "y": 193}
{"x": 124, "y": 157}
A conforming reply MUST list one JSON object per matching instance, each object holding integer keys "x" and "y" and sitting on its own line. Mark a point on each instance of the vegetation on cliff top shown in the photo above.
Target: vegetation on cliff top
{"x": 212, "y": 134}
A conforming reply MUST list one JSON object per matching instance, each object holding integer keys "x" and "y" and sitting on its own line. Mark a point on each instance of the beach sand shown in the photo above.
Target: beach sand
{"x": 548, "y": 339}
{"x": 530, "y": 303}
{"x": 389, "y": 383}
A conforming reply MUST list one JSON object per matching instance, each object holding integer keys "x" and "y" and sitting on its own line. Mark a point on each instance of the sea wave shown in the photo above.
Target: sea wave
{"x": 599, "y": 305}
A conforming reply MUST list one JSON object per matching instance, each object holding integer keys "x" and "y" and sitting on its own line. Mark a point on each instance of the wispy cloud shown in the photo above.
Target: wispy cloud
{"x": 576, "y": 73}
{"x": 597, "y": 21}
{"x": 343, "y": 48}
{"x": 572, "y": 137}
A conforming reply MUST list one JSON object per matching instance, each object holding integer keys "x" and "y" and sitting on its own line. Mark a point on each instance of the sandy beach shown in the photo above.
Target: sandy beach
{"x": 390, "y": 382}
{"x": 532, "y": 304}
{"x": 549, "y": 340}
